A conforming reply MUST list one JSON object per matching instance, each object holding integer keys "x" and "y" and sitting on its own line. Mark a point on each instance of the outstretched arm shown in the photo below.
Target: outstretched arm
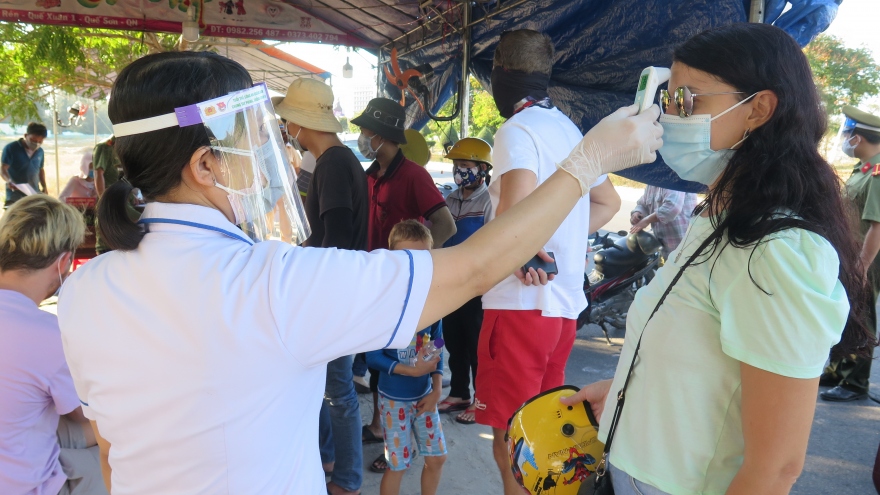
{"x": 470, "y": 269}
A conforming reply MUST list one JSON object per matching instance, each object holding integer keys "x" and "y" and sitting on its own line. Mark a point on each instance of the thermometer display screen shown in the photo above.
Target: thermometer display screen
{"x": 643, "y": 83}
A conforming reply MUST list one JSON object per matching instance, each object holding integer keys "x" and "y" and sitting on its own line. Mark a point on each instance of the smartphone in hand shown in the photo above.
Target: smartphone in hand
{"x": 537, "y": 263}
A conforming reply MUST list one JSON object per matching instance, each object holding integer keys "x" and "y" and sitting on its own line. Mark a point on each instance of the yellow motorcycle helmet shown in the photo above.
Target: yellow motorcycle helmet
{"x": 416, "y": 148}
{"x": 553, "y": 448}
{"x": 474, "y": 149}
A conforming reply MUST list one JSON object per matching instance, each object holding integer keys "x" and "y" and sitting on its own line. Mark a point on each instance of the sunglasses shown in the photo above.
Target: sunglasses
{"x": 682, "y": 100}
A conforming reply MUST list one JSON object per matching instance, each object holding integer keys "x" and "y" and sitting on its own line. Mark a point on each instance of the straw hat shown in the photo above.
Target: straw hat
{"x": 308, "y": 103}
{"x": 416, "y": 148}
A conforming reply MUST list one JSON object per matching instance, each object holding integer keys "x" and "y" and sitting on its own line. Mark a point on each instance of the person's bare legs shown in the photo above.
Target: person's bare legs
{"x": 391, "y": 482}
{"x": 499, "y": 450}
{"x": 431, "y": 474}
{"x": 375, "y": 426}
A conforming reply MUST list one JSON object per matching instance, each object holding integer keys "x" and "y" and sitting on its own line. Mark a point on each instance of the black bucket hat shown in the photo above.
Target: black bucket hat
{"x": 384, "y": 117}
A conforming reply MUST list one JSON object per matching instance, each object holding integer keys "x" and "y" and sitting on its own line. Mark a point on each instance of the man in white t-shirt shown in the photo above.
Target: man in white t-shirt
{"x": 529, "y": 321}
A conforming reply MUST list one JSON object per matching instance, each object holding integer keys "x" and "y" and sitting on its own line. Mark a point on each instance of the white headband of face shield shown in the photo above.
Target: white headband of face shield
{"x": 197, "y": 113}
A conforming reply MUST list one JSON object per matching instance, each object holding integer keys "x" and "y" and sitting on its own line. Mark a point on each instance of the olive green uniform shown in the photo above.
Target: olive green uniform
{"x": 863, "y": 189}
{"x": 105, "y": 158}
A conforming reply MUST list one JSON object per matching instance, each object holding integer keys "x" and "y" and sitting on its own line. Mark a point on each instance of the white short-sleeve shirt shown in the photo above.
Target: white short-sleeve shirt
{"x": 537, "y": 139}
{"x": 202, "y": 356}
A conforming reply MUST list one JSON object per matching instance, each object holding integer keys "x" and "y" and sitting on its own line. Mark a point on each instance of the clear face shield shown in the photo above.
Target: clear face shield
{"x": 256, "y": 174}
{"x": 846, "y": 142}
{"x": 254, "y": 170}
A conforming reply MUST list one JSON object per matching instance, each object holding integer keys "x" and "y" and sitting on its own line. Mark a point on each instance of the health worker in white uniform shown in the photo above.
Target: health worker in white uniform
{"x": 198, "y": 347}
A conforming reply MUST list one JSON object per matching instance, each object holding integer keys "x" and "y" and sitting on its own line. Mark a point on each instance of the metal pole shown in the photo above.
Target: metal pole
{"x": 55, "y": 135}
{"x": 465, "y": 93}
{"x": 756, "y": 14}
{"x": 379, "y": 73}
{"x": 95, "y": 119}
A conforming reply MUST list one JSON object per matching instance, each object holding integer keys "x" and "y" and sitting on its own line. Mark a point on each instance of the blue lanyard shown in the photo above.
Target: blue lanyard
{"x": 196, "y": 225}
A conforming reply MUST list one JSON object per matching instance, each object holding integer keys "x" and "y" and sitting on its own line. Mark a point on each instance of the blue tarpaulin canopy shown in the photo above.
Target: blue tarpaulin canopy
{"x": 601, "y": 45}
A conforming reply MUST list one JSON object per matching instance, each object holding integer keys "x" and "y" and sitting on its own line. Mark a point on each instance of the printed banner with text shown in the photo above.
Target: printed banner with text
{"x": 252, "y": 19}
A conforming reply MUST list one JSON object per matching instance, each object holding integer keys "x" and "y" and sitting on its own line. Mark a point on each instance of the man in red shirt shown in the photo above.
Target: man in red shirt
{"x": 399, "y": 189}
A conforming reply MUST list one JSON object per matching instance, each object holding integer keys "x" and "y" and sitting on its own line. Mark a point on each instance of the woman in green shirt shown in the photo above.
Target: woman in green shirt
{"x": 722, "y": 394}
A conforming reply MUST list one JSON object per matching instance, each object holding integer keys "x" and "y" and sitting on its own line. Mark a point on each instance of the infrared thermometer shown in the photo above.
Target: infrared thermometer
{"x": 651, "y": 78}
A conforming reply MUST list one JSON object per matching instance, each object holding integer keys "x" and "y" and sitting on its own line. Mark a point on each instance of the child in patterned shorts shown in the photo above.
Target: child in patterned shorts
{"x": 409, "y": 389}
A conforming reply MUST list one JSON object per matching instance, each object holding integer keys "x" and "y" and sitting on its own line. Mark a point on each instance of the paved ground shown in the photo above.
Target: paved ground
{"x": 840, "y": 458}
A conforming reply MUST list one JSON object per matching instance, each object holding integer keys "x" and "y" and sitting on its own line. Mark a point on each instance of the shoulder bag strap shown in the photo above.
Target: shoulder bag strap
{"x": 621, "y": 396}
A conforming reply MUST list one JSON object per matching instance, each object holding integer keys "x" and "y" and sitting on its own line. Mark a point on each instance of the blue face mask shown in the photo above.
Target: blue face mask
{"x": 686, "y": 146}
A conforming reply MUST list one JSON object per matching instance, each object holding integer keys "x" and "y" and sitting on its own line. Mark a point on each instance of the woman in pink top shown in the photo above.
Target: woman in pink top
{"x": 42, "y": 428}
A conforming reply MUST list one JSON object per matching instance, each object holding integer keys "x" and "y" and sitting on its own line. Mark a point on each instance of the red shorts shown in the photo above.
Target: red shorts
{"x": 520, "y": 355}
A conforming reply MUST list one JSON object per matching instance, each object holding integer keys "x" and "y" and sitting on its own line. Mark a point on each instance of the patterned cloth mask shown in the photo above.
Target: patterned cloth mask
{"x": 465, "y": 176}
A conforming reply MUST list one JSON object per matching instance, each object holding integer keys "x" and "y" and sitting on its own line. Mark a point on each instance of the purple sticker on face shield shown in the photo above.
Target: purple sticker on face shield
{"x": 188, "y": 115}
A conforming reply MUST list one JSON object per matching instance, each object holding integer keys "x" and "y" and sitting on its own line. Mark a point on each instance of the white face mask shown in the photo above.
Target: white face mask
{"x": 60, "y": 277}
{"x": 850, "y": 149}
{"x": 294, "y": 141}
{"x": 33, "y": 145}
{"x": 366, "y": 148}
{"x": 236, "y": 201}
{"x": 252, "y": 193}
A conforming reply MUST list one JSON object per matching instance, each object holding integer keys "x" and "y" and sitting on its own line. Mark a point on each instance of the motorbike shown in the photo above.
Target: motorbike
{"x": 623, "y": 263}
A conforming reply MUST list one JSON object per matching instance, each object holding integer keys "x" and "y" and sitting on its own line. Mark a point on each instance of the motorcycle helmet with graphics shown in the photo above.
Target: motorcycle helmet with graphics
{"x": 553, "y": 448}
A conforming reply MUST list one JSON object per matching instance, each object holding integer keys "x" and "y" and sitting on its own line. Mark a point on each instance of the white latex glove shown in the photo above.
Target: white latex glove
{"x": 619, "y": 141}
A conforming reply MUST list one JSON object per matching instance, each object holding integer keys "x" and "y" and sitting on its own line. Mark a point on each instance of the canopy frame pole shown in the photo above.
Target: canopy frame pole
{"x": 379, "y": 74}
{"x": 95, "y": 120}
{"x": 465, "y": 92}
{"x": 55, "y": 136}
{"x": 756, "y": 14}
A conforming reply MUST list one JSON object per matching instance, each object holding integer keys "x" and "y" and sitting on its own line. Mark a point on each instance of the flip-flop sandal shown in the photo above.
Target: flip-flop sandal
{"x": 367, "y": 436}
{"x": 376, "y": 465}
{"x": 458, "y": 419}
{"x": 452, "y": 406}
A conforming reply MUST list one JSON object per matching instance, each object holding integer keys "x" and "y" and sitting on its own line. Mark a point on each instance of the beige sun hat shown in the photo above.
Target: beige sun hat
{"x": 308, "y": 103}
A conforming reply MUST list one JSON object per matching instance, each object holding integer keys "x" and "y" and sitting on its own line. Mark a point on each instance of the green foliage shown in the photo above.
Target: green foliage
{"x": 487, "y": 135}
{"x": 484, "y": 113}
{"x": 484, "y": 118}
{"x": 844, "y": 76}
{"x": 38, "y": 58}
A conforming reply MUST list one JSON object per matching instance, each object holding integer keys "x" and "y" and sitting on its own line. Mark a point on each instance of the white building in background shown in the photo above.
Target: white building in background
{"x": 363, "y": 93}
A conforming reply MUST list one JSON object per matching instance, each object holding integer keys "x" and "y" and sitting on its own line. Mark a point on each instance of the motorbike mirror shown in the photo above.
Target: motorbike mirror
{"x": 622, "y": 233}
